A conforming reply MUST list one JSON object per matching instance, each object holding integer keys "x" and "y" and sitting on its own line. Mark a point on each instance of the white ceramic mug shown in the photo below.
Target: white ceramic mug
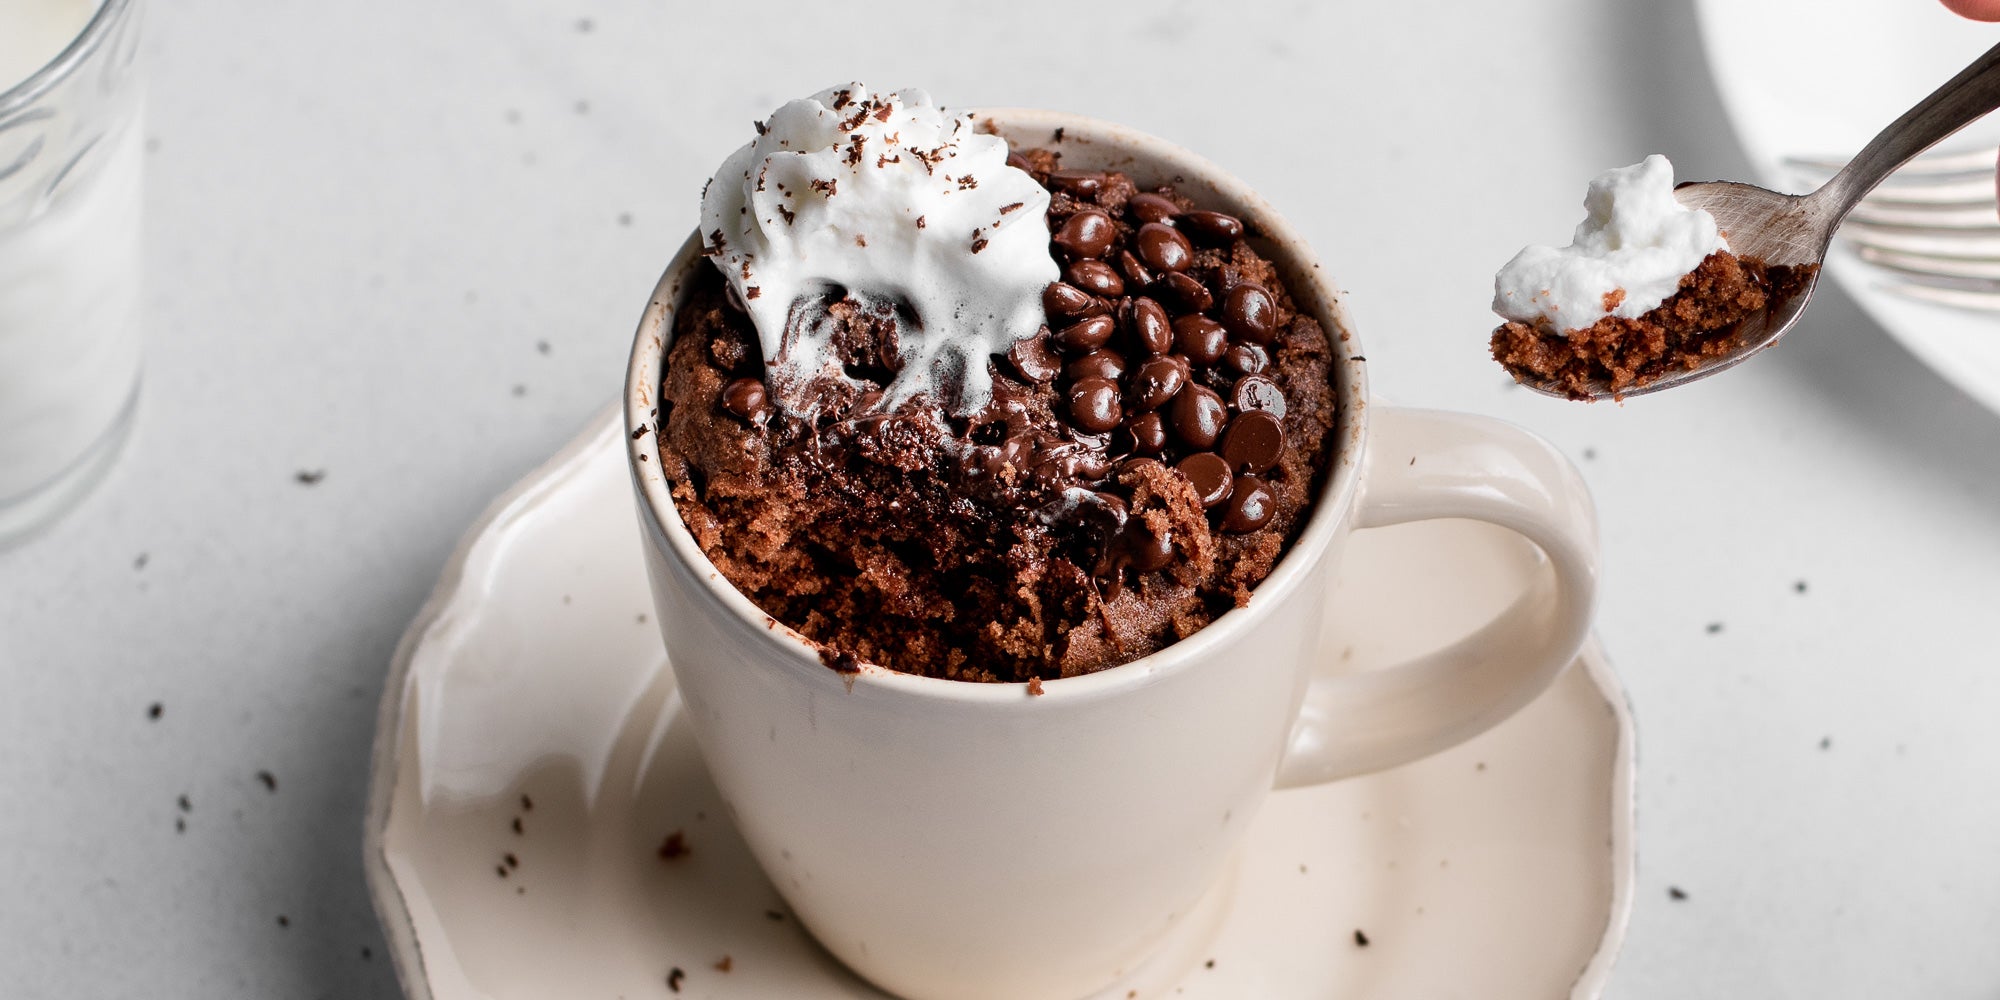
{"x": 969, "y": 841}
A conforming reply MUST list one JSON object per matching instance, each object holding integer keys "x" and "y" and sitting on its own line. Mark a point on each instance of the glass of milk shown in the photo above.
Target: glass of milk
{"x": 70, "y": 165}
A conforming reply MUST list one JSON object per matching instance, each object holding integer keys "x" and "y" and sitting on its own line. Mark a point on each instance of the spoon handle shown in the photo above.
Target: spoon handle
{"x": 1960, "y": 102}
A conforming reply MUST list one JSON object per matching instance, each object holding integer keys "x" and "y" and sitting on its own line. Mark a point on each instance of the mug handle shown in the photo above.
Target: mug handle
{"x": 1426, "y": 464}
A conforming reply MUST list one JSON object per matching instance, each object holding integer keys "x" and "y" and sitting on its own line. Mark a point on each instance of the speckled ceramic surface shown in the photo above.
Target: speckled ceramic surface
{"x": 532, "y": 770}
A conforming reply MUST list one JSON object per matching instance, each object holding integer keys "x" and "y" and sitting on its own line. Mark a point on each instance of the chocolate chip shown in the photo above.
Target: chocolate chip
{"x": 1093, "y": 405}
{"x": 1154, "y": 383}
{"x": 1202, "y": 339}
{"x": 1198, "y": 416}
{"x": 1150, "y": 207}
{"x": 1065, "y": 300}
{"x": 1085, "y": 235}
{"x": 1163, "y": 248}
{"x": 1147, "y": 549}
{"x": 1246, "y": 358}
{"x": 1250, "y": 313}
{"x": 1097, "y": 364}
{"x": 1150, "y": 330}
{"x": 1251, "y": 505}
{"x": 1086, "y": 335}
{"x": 1081, "y": 183}
{"x": 1254, "y": 441}
{"x": 1097, "y": 278}
{"x": 745, "y": 398}
{"x": 1135, "y": 273}
{"x": 1191, "y": 294}
{"x": 1212, "y": 227}
{"x": 1255, "y": 392}
{"x": 1034, "y": 358}
{"x": 1145, "y": 434}
{"x": 1210, "y": 475}
{"x": 1019, "y": 162}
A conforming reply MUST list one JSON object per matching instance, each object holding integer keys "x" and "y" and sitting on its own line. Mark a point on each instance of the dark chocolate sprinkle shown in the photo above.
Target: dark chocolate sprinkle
{"x": 1097, "y": 278}
{"x": 1062, "y": 300}
{"x": 1086, "y": 335}
{"x": 1151, "y": 331}
{"x": 1246, "y": 358}
{"x": 1156, "y": 382}
{"x": 1191, "y": 294}
{"x": 1251, "y": 505}
{"x": 1146, "y": 548}
{"x": 1034, "y": 358}
{"x": 1097, "y": 364}
{"x": 1163, "y": 248}
{"x": 1254, "y": 441}
{"x": 1210, "y": 475}
{"x": 1198, "y": 416}
{"x": 1080, "y": 183}
{"x": 1212, "y": 227}
{"x": 1150, "y": 207}
{"x": 1093, "y": 405}
{"x": 1146, "y": 434}
{"x": 1251, "y": 313}
{"x": 1085, "y": 235}
{"x": 1202, "y": 339}
{"x": 1255, "y": 392}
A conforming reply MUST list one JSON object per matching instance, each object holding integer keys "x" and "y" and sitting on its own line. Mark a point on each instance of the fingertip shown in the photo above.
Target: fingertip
{"x": 1978, "y": 10}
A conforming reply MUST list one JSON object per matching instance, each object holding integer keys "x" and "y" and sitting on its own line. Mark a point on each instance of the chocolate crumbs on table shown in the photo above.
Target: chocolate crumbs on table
{"x": 155, "y": 710}
{"x": 1676, "y": 893}
{"x": 675, "y": 846}
{"x": 310, "y": 477}
{"x": 674, "y": 978}
{"x": 1360, "y": 938}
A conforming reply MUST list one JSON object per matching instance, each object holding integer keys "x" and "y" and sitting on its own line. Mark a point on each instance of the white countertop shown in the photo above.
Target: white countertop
{"x": 367, "y": 219}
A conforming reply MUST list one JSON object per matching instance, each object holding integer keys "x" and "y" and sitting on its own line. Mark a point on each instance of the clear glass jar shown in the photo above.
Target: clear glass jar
{"x": 72, "y": 152}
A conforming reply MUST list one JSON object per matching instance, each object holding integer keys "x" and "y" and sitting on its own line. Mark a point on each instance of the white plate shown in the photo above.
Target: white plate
{"x": 1820, "y": 79}
{"x": 1502, "y": 868}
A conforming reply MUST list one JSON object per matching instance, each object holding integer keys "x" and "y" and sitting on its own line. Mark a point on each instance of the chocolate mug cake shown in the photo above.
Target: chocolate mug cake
{"x": 956, "y": 410}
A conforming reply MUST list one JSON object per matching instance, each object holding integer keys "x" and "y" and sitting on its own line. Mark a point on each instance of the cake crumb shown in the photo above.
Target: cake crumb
{"x": 674, "y": 977}
{"x": 1675, "y": 893}
{"x": 675, "y": 846}
{"x": 155, "y": 710}
{"x": 725, "y": 964}
{"x": 1360, "y": 938}
{"x": 309, "y": 477}
{"x": 1035, "y": 686}
{"x": 268, "y": 780}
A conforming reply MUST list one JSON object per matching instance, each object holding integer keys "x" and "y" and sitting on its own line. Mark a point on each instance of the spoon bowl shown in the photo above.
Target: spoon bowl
{"x": 1795, "y": 231}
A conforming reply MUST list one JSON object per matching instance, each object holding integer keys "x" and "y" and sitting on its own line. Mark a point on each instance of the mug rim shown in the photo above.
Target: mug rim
{"x": 1311, "y": 289}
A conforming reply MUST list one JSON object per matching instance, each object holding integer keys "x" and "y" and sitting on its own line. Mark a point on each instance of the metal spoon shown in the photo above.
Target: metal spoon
{"x": 1797, "y": 229}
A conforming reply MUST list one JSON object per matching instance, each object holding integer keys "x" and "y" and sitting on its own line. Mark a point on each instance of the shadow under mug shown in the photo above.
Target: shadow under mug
{"x": 966, "y": 841}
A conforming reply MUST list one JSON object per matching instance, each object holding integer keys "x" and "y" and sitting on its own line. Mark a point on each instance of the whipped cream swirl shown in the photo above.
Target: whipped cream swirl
{"x": 889, "y": 200}
{"x": 1628, "y": 255}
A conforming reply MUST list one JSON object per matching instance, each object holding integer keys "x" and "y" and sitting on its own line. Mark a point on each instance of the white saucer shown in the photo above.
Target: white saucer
{"x": 1502, "y": 868}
